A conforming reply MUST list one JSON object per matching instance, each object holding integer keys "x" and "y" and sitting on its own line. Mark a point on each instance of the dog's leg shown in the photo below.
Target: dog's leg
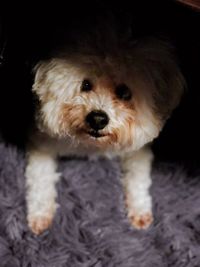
{"x": 41, "y": 178}
{"x": 137, "y": 180}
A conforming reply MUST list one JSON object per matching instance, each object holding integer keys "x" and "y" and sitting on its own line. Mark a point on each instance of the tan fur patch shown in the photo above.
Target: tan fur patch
{"x": 141, "y": 221}
{"x": 40, "y": 223}
{"x": 71, "y": 117}
{"x": 48, "y": 96}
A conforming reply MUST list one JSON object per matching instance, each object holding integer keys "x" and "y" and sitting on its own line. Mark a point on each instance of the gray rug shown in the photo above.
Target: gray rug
{"x": 91, "y": 228}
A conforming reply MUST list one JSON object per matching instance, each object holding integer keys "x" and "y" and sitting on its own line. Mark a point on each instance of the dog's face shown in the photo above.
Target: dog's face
{"x": 109, "y": 103}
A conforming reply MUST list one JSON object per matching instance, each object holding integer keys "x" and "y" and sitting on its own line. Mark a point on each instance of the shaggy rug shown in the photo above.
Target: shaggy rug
{"x": 91, "y": 228}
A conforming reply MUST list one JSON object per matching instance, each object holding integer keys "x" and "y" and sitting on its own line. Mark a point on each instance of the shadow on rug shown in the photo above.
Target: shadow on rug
{"x": 91, "y": 228}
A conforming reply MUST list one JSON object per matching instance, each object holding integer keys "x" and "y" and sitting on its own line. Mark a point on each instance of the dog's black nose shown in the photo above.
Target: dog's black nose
{"x": 97, "y": 119}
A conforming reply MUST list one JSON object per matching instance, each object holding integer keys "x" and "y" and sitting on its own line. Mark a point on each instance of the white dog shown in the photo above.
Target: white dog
{"x": 100, "y": 97}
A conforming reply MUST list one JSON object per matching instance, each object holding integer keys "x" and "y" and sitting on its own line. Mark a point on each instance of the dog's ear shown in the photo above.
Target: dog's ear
{"x": 157, "y": 61}
{"x": 40, "y": 72}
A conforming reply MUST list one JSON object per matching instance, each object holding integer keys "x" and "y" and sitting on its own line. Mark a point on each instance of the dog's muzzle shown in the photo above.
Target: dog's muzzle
{"x": 96, "y": 120}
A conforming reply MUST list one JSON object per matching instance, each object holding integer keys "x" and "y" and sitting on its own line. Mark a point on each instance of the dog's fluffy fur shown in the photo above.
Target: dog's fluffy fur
{"x": 147, "y": 67}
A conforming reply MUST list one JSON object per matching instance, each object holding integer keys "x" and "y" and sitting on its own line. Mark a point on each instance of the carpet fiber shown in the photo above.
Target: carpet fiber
{"x": 90, "y": 228}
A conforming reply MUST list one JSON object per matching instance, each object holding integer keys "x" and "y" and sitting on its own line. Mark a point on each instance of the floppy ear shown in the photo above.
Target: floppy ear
{"x": 161, "y": 71}
{"x": 39, "y": 74}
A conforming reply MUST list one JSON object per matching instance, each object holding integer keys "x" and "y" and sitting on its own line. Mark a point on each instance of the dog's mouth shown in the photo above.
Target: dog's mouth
{"x": 92, "y": 133}
{"x": 95, "y": 134}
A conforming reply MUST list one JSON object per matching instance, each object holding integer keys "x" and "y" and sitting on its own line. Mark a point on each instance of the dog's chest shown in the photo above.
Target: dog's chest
{"x": 67, "y": 147}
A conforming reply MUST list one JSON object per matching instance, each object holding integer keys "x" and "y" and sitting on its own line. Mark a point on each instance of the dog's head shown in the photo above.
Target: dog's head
{"x": 115, "y": 101}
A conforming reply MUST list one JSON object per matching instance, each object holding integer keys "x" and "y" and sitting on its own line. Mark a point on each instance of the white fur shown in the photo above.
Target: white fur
{"x": 137, "y": 180}
{"x": 61, "y": 128}
{"x": 41, "y": 192}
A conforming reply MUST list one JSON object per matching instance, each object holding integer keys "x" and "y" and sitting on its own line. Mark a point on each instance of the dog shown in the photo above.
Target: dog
{"x": 100, "y": 96}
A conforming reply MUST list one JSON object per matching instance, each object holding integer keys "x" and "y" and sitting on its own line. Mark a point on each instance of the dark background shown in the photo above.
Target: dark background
{"x": 28, "y": 32}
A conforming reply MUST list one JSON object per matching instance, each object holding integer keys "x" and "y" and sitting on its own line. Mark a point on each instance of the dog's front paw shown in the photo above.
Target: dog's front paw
{"x": 141, "y": 221}
{"x": 40, "y": 218}
{"x": 40, "y": 223}
{"x": 139, "y": 211}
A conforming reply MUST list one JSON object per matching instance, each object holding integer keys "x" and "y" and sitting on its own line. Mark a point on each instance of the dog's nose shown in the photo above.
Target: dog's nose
{"x": 97, "y": 119}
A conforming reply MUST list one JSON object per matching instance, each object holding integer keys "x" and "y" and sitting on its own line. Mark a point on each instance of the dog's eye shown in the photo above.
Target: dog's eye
{"x": 86, "y": 86}
{"x": 123, "y": 92}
